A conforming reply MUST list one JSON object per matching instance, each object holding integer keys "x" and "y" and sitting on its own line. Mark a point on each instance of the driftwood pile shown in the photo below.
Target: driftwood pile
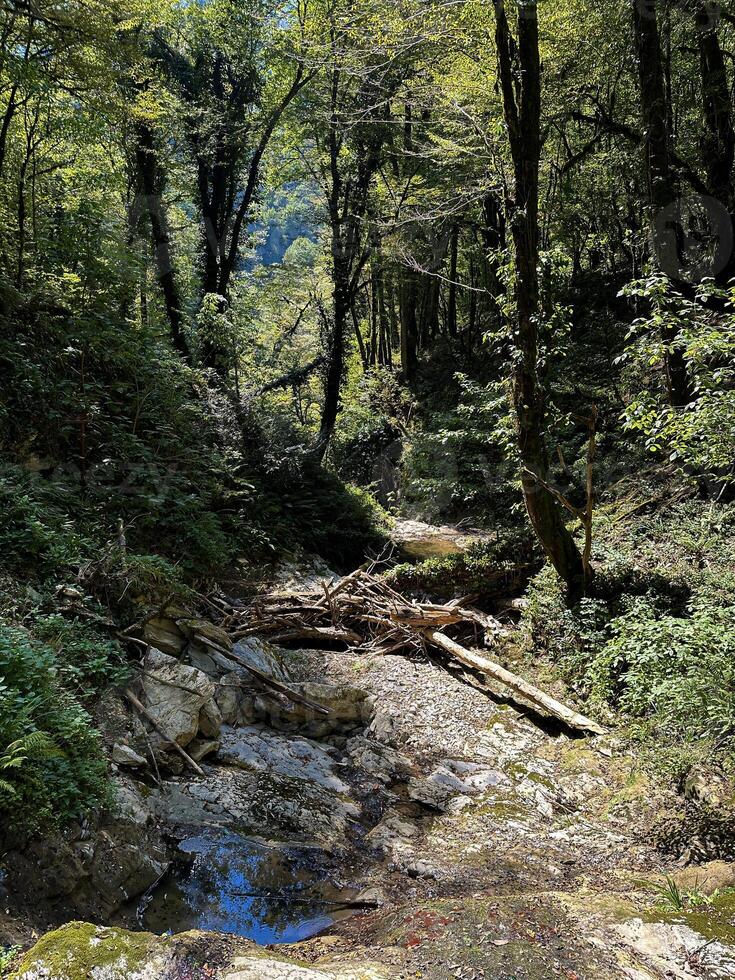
{"x": 363, "y": 613}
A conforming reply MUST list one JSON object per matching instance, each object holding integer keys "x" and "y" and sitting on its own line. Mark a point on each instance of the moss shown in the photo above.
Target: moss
{"x": 579, "y": 759}
{"x": 74, "y": 950}
{"x": 714, "y": 921}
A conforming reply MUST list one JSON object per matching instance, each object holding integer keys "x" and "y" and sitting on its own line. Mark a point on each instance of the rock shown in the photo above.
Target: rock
{"x": 261, "y": 750}
{"x": 123, "y": 755}
{"x": 451, "y": 779}
{"x": 176, "y": 700}
{"x": 705, "y": 786}
{"x": 379, "y": 761}
{"x": 199, "y": 749}
{"x": 420, "y": 540}
{"x": 209, "y": 661}
{"x": 193, "y": 628}
{"x": 91, "y": 877}
{"x": 210, "y": 719}
{"x": 83, "y": 951}
{"x": 349, "y": 708}
{"x": 229, "y": 695}
{"x": 372, "y": 896}
{"x": 263, "y": 657}
{"x": 163, "y": 634}
{"x": 130, "y": 803}
{"x": 391, "y": 830}
{"x": 125, "y": 865}
{"x": 268, "y": 785}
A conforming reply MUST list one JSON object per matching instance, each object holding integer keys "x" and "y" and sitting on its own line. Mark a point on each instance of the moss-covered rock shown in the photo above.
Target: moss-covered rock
{"x": 83, "y": 951}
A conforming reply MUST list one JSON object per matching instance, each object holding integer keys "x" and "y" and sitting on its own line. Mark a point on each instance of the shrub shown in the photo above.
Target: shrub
{"x": 54, "y": 768}
{"x": 656, "y": 639}
{"x": 486, "y": 568}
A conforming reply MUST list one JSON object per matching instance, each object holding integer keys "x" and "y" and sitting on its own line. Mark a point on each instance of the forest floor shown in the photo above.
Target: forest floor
{"x": 493, "y": 843}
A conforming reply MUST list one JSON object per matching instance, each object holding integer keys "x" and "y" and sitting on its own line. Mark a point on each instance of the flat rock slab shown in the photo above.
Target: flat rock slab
{"x": 269, "y": 785}
{"x": 83, "y": 951}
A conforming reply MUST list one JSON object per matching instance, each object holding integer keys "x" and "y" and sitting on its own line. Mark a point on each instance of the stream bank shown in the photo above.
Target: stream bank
{"x": 475, "y": 841}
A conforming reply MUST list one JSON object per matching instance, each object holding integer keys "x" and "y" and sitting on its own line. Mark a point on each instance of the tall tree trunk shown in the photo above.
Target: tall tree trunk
{"x": 718, "y": 144}
{"x": 150, "y": 199}
{"x": 335, "y": 360}
{"x": 521, "y": 92}
{"x": 662, "y": 189}
{"x": 718, "y": 140}
{"x": 409, "y": 325}
{"x": 452, "y": 294}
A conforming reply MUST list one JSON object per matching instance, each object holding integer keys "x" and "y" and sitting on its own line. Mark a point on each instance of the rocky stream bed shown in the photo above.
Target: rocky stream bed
{"x": 422, "y": 829}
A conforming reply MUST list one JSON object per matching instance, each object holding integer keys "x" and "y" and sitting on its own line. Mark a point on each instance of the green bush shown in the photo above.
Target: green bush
{"x": 486, "y": 568}
{"x": 655, "y": 640}
{"x": 54, "y": 766}
{"x": 87, "y": 659}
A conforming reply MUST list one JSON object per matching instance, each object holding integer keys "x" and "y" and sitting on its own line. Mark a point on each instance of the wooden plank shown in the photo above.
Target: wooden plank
{"x": 514, "y": 682}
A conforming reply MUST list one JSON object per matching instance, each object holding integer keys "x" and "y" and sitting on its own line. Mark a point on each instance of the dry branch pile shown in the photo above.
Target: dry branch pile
{"x": 362, "y": 612}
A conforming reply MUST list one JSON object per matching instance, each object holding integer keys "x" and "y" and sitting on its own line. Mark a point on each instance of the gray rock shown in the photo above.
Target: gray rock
{"x": 174, "y": 694}
{"x": 200, "y": 748}
{"x": 229, "y": 694}
{"x": 451, "y": 779}
{"x": 130, "y": 803}
{"x": 262, "y": 656}
{"x": 123, "y": 755}
{"x": 210, "y": 719}
{"x": 271, "y": 786}
{"x": 379, "y": 761}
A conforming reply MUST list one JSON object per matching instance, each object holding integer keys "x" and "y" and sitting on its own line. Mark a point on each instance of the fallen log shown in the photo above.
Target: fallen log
{"x": 425, "y": 616}
{"x": 167, "y": 738}
{"x": 317, "y": 634}
{"x": 514, "y": 682}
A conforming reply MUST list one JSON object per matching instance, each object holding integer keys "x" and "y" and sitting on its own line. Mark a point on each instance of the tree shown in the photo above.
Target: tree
{"x": 519, "y": 71}
{"x": 662, "y": 186}
{"x": 351, "y": 129}
{"x": 220, "y": 63}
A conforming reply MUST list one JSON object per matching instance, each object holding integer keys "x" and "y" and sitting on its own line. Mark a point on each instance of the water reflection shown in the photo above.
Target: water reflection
{"x": 267, "y": 894}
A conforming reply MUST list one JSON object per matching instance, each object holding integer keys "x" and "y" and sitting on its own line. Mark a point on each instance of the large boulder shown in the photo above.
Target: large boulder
{"x": 93, "y": 874}
{"x": 175, "y": 695}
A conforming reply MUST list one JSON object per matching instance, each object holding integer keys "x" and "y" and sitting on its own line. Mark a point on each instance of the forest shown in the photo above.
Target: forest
{"x": 367, "y": 489}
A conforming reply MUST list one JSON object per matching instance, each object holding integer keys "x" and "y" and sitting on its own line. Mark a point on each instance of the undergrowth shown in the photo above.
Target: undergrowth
{"x": 655, "y": 640}
{"x": 52, "y": 764}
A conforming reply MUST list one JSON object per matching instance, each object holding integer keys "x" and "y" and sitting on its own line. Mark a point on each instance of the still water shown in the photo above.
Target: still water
{"x": 227, "y": 883}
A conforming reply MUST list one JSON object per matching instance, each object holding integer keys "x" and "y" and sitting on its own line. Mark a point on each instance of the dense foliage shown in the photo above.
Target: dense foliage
{"x": 270, "y": 271}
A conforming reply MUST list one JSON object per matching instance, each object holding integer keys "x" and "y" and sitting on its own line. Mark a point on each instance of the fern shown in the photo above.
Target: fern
{"x": 34, "y": 746}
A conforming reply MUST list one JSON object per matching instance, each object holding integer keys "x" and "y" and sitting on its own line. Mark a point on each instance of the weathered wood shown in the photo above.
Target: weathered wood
{"x": 167, "y": 738}
{"x": 425, "y": 617}
{"x": 514, "y": 682}
{"x": 317, "y": 634}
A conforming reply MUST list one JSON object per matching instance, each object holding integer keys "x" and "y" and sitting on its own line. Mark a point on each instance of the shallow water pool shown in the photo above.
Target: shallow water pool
{"x": 228, "y": 883}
